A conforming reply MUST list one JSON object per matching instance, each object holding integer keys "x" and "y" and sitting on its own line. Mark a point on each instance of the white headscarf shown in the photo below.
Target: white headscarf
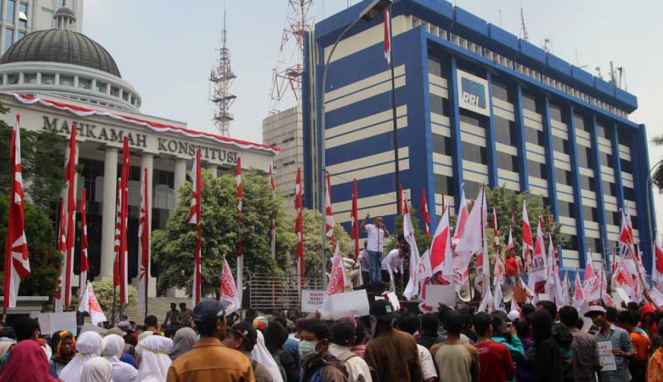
{"x": 261, "y": 355}
{"x": 97, "y": 369}
{"x": 113, "y": 346}
{"x": 88, "y": 347}
{"x": 154, "y": 361}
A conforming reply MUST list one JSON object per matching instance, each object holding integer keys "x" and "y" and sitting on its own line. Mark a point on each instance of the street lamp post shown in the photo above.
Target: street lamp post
{"x": 368, "y": 13}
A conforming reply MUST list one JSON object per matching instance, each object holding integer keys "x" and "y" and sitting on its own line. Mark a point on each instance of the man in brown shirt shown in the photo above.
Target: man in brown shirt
{"x": 392, "y": 355}
{"x": 209, "y": 360}
{"x": 586, "y": 360}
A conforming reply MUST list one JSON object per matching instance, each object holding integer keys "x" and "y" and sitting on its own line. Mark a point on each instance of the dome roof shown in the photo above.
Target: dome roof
{"x": 64, "y": 11}
{"x": 61, "y": 46}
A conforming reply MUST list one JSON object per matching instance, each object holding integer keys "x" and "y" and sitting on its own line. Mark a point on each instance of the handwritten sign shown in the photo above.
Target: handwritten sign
{"x": 606, "y": 356}
{"x": 312, "y": 300}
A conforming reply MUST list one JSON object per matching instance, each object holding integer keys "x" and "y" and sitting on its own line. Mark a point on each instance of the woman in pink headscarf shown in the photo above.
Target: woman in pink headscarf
{"x": 27, "y": 363}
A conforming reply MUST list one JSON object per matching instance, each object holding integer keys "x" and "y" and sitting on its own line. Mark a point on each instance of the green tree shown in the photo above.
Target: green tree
{"x": 44, "y": 259}
{"x": 174, "y": 246}
{"x": 657, "y": 176}
{"x": 43, "y": 159}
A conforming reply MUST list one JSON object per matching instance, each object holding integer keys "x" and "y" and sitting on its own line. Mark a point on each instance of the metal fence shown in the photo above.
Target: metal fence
{"x": 278, "y": 292}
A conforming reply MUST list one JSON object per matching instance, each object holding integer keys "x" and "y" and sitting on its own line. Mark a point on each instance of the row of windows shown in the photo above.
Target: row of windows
{"x": 9, "y": 37}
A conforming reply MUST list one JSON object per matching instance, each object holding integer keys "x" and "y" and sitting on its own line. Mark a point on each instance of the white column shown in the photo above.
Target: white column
{"x": 108, "y": 217}
{"x": 213, "y": 169}
{"x": 147, "y": 161}
{"x": 180, "y": 178}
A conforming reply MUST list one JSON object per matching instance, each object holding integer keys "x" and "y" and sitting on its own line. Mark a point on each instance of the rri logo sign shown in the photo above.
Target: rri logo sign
{"x": 473, "y": 93}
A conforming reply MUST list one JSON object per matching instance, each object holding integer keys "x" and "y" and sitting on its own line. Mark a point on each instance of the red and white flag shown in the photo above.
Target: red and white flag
{"x": 566, "y": 287}
{"x": 474, "y": 241}
{"x": 412, "y": 288}
{"x": 85, "y": 265}
{"x": 424, "y": 213}
{"x": 528, "y": 244}
{"x": 338, "y": 281}
{"x": 272, "y": 228}
{"x": 240, "y": 223}
{"x": 622, "y": 276}
{"x": 578, "y": 291}
{"x": 657, "y": 269}
{"x": 496, "y": 228}
{"x": 299, "y": 226}
{"x": 195, "y": 215}
{"x": 70, "y": 185}
{"x": 124, "y": 251}
{"x": 626, "y": 243}
{"x": 144, "y": 237}
{"x": 498, "y": 271}
{"x": 553, "y": 281}
{"x": 329, "y": 215}
{"x": 62, "y": 248}
{"x": 228, "y": 290}
{"x": 461, "y": 220}
{"x": 387, "y": 34}
{"x": 118, "y": 229}
{"x": 17, "y": 263}
{"x": 440, "y": 248}
{"x": 354, "y": 215}
{"x": 509, "y": 245}
{"x": 591, "y": 284}
{"x": 90, "y": 304}
{"x": 538, "y": 270}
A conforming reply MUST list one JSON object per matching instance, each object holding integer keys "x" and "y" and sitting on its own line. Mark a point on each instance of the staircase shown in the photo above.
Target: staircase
{"x": 157, "y": 306}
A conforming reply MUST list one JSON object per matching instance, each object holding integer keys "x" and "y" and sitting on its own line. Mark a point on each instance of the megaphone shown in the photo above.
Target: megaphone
{"x": 464, "y": 293}
{"x": 507, "y": 292}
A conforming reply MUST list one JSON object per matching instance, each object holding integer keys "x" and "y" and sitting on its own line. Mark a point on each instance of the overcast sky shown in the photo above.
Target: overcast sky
{"x": 165, "y": 48}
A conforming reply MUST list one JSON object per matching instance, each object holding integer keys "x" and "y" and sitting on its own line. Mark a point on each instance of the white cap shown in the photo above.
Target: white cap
{"x": 513, "y": 315}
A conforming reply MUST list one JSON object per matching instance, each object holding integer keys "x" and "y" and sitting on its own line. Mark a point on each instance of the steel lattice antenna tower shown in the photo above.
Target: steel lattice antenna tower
{"x": 221, "y": 79}
{"x": 287, "y": 75}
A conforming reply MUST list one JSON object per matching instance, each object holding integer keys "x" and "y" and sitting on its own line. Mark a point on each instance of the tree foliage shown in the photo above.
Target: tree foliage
{"x": 44, "y": 259}
{"x": 174, "y": 246}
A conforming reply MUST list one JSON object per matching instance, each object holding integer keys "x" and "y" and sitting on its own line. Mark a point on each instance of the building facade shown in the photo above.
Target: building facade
{"x": 21, "y": 17}
{"x": 475, "y": 105}
{"x": 284, "y": 129}
{"x": 56, "y": 84}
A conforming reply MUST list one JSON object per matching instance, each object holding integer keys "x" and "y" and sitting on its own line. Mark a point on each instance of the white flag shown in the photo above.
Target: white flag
{"x": 497, "y": 301}
{"x": 228, "y": 290}
{"x": 412, "y": 288}
{"x": 90, "y": 305}
{"x": 487, "y": 301}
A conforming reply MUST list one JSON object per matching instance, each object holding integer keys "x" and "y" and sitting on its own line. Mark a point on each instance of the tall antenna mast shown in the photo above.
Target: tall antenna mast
{"x": 523, "y": 28}
{"x": 222, "y": 78}
{"x": 287, "y": 75}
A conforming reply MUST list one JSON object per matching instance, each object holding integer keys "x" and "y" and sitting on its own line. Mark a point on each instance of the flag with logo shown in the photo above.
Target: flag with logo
{"x": 90, "y": 304}
{"x": 338, "y": 281}
{"x": 591, "y": 283}
{"x": 228, "y": 290}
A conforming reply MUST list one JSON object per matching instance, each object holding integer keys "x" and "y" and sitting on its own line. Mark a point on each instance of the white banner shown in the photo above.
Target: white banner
{"x": 312, "y": 300}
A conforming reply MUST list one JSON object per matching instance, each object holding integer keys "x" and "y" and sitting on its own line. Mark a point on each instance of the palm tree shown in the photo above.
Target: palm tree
{"x": 657, "y": 175}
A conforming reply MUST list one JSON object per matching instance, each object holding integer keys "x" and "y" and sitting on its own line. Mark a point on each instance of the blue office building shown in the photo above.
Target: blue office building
{"x": 475, "y": 104}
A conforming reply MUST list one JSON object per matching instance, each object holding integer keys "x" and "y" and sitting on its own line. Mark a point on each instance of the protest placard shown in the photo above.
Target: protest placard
{"x": 50, "y": 323}
{"x": 312, "y": 300}
{"x": 440, "y": 294}
{"x": 353, "y": 303}
{"x": 606, "y": 356}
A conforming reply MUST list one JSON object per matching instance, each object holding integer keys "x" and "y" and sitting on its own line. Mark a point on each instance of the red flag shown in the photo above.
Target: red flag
{"x": 440, "y": 249}
{"x": 118, "y": 228}
{"x": 17, "y": 263}
{"x": 354, "y": 215}
{"x": 424, "y": 213}
{"x": 124, "y": 254}
{"x": 194, "y": 218}
{"x": 387, "y": 34}
{"x": 85, "y": 265}
{"x": 329, "y": 215}
{"x": 240, "y": 242}
{"x": 299, "y": 224}
{"x": 144, "y": 237}
{"x": 626, "y": 235}
{"x": 70, "y": 182}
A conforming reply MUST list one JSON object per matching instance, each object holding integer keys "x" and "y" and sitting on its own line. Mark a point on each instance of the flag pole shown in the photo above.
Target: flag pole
{"x": 399, "y": 209}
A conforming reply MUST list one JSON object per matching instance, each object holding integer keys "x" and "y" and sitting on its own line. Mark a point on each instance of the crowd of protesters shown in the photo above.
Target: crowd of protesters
{"x": 538, "y": 343}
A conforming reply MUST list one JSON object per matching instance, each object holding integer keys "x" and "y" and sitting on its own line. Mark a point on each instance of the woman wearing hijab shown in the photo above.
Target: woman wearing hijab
{"x": 261, "y": 355}
{"x": 97, "y": 370}
{"x": 183, "y": 342}
{"x": 88, "y": 346}
{"x": 113, "y": 346}
{"x": 545, "y": 350}
{"x": 64, "y": 349}
{"x": 28, "y": 363}
{"x": 152, "y": 358}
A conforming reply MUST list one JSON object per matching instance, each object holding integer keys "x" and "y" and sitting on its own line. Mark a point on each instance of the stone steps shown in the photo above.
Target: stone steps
{"x": 157, "y": 306}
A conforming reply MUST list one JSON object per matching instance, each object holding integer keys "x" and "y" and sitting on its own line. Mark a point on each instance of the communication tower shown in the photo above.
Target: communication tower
{"x": 222, "y": 79}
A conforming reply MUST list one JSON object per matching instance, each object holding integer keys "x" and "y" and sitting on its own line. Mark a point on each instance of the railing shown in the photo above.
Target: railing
{"x": 268, "y": 293}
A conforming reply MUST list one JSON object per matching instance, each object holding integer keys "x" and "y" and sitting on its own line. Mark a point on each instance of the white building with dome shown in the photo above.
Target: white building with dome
{"x": 58, "y": 77}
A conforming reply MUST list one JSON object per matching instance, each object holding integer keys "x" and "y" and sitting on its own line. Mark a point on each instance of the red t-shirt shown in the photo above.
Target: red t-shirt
{"x": 511, "y": 266}
{"x": 496, "y": 363}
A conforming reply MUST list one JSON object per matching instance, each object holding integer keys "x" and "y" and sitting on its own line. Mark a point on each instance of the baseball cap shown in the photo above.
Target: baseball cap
{"x": 246, "y": 331}
{"x": 594, "y": 309}
{"x": 382, "y": 309}
{"x": 513, "y": 315}
{"x": 209, "y": 310}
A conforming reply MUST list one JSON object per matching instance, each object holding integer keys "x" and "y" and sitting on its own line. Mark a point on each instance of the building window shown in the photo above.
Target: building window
{"x": 634, "y": 222}
{"x": 536, "y": 169}
{"x": 48, "y": 79}
{"x": 11, "y": 9}
{"x": 9, "y": 38}
{"x": 30, "y": 78}
{"x": 629, "y": 193}
{"x": 21, "y": 34}
{"x": 606, "y": 159}
{"x": 441, "y": 144}
{"x": 563, "y": 176}
{"x": 609, "y": 188}
{"x": 472, "y": 119}
{"x": 439, "y": 105}
{"x": 507, "y": 162}
{"x": 584, "y": 156}
{"x": 626, "y": 165}
{"x": 600, "y": 129}
{"x": 474, "y": 153}
{"x": 472, "y": 189}
{"x": 587, "y": 183}
{"x": 505, "y": 130}
{"x": 23, "y": 15}
{"x": 443, "y": 185}
{"x": 434, "y": 65}
{"x": 500, "y": 91}
{"x": 529, "y": 102}
{"x": 594, "y": 244}
{"x": 612, "y": 217}
{"x": 590, "y": 214}
{"x": 570, "y": 242}
{"x": 566, "y": 209}
{"x": 534, "y": 136}
{"x": 561, "y": 145}
{"x": 555, "y": 112}
{"x": 84, "y": 83}
{"x": 579, "y": 122}
{"x": 101, "y": 87}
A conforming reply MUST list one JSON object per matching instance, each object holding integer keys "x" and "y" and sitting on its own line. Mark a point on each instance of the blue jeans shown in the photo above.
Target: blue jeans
{"x": 375, "y": 262}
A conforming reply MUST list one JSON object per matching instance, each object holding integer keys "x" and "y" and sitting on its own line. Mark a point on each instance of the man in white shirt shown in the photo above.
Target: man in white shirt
{"x": 364, "y": 263}
{"x": 392, "y": 266}
{"x": 342, "y": 335}
{"x": 377, "y": 233}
